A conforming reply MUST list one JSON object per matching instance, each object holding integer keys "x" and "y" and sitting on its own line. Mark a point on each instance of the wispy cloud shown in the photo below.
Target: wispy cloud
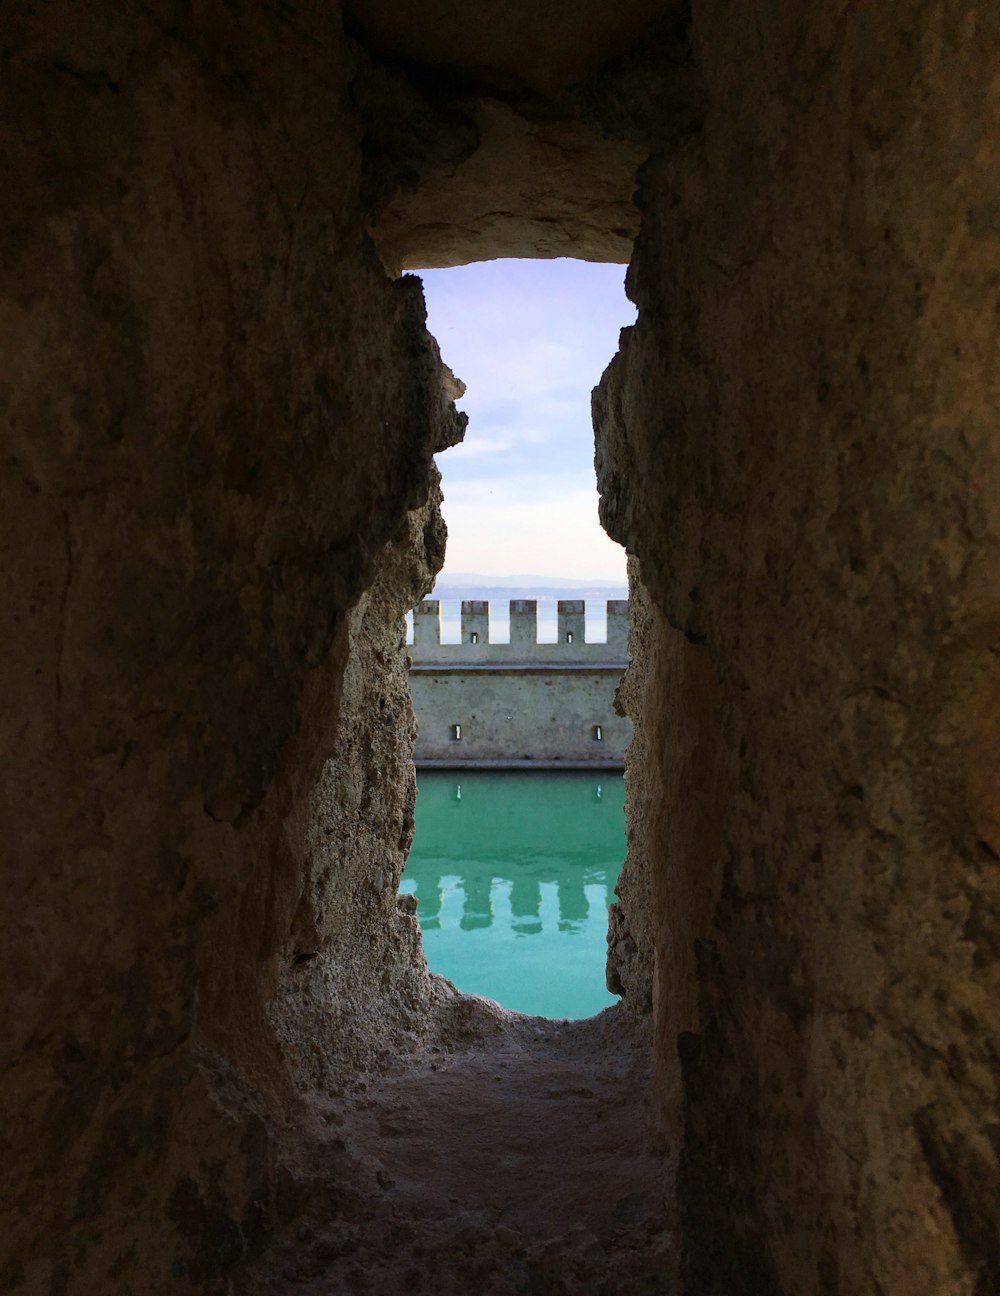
{"x": 497, "y": 529}
{"x": 477, "y": 446}
{"x": 530, "y": 339}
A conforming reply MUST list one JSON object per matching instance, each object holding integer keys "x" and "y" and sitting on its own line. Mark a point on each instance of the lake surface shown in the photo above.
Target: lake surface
{"x": 513, "y": 873}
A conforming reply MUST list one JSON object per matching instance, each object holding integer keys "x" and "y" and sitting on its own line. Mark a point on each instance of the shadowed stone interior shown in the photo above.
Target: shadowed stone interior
{"x": 218, "y": 498}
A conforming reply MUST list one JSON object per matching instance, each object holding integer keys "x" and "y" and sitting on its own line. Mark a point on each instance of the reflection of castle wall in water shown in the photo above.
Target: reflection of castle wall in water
{"x": 522, "y": 702}
{"x": 517, "y": 853}
{"x": 480, "y": 889}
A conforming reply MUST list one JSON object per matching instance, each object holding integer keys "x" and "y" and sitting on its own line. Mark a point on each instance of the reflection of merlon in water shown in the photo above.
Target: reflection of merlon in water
{"x": 572, "y": 898}
{"x": 520, "y": 703}
{"x": 479, "y": 895}
{"x": 525, "y": 896}
{"x": 478, "y": 907}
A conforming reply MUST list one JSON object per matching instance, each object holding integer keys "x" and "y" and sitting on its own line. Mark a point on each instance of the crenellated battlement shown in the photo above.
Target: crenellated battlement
{"x": 477, "y": 648}
{"x": 520, "y": 703}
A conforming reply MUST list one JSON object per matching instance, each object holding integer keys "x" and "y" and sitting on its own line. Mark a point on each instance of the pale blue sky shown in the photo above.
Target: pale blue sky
{"x": 530, "y": 339}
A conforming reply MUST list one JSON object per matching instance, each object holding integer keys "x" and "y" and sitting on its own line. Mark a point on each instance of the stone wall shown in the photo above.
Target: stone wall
{"x": 519, "y": 703}
{"x": 354, "y": 988}
{"x": 514, "y": 716}
{"x": 216, "y": 414}
{"x": 218, "y": 419}
{"x": 478, "y": 647}
{"x": 631, "y": 923}
{"x": 798, "y": 440}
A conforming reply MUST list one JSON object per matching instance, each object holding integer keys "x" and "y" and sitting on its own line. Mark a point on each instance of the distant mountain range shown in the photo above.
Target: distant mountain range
{"x": 470, "y": 585}
{"x": 500, "y": 582}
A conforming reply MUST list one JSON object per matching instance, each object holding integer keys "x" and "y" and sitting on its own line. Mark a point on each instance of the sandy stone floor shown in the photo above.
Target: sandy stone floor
{"x": 517, "y": 1161}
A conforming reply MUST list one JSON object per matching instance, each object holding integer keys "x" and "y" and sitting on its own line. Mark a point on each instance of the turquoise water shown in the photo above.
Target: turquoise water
{"x": 513, "y": 874}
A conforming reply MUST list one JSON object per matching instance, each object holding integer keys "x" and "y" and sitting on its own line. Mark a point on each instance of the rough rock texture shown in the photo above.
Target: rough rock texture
{"x": 517, "y": 130}
{"x": 355, "y": 989}
{"x": 518, "y": 45}
{"x": 503, "y": 195}
{"x": 798, "y": 440}
{"x": 216, "y": 413}
{"x": 631, "y": 923}
{"x": 218, "y": 417}
{"x": 511, "y": 1156}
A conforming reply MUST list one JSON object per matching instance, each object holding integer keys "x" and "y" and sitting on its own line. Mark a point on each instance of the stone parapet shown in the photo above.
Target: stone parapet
{"x": 477, "y": 648}
{"x": 522, "y": 703}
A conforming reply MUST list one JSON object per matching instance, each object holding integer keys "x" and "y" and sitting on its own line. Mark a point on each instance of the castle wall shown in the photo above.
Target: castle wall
{"x": 477, "y": 648}
{"x": 520, "y": 702}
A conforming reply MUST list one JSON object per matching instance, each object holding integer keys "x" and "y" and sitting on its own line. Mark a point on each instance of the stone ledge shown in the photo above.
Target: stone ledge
{"x": 517, "y": 668}
{"x": 494, "y": 763}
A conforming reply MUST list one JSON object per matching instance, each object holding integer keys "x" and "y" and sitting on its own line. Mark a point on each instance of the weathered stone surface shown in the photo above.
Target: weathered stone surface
{"x": 520, "y": 45}
{"x": 544, "y": 715}
{"x": 631, "y": 924}
{"x": 799, "y": 443}
{"x": 217, "y": 494}
{"x": 519, "y": 1161}
{"x": 216, "y": 412}
{"x": 354, "y": 989}
{"x": 518, "y": 701}
{"x": 504, "y": 194}
{"x": 522, "y": 126}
